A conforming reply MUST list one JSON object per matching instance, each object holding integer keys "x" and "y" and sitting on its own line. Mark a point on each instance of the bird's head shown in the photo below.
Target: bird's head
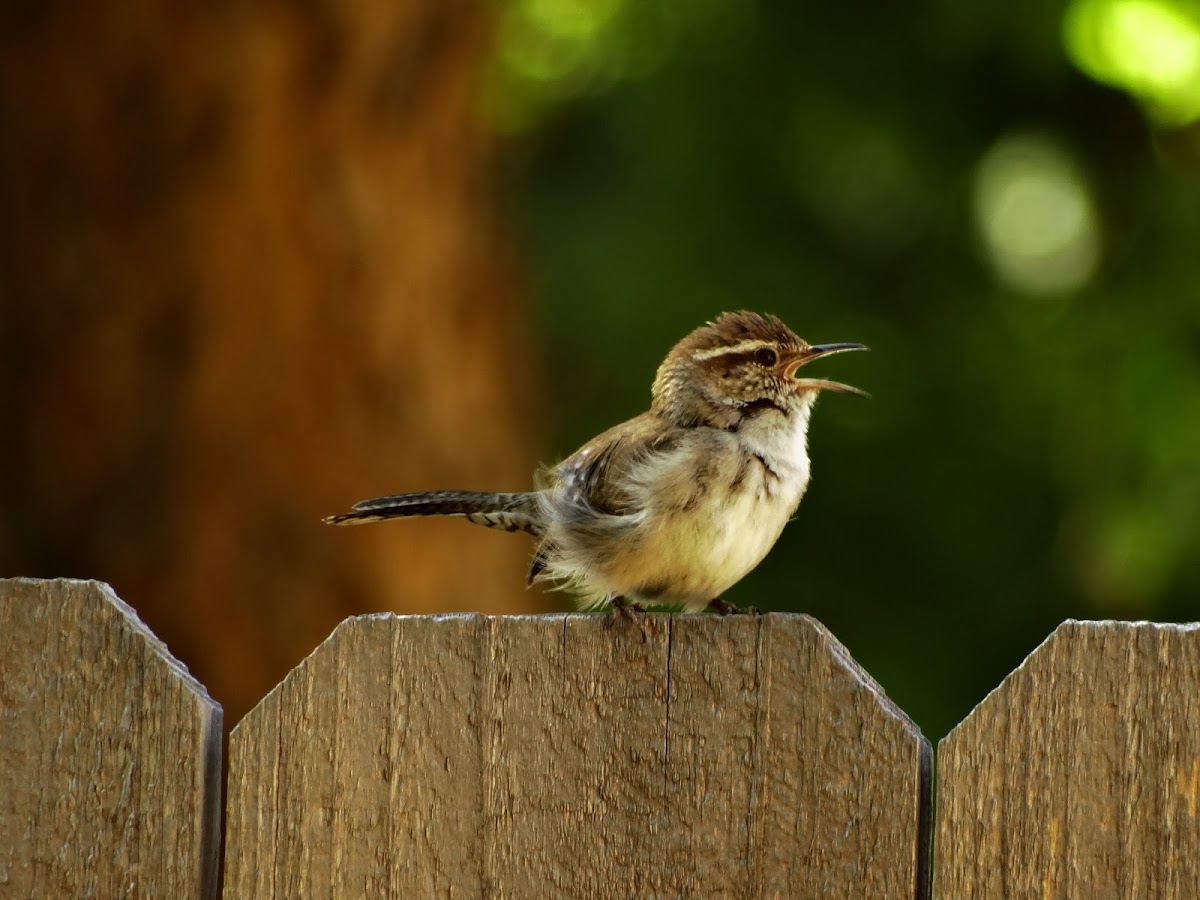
{"x": 738, "y": 365}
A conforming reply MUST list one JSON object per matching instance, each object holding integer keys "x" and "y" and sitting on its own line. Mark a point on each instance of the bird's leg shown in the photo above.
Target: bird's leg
{"x": 725, "y": 608}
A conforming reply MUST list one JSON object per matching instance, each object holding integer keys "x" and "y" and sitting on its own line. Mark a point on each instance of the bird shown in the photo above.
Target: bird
{"x": 679, "y": 503}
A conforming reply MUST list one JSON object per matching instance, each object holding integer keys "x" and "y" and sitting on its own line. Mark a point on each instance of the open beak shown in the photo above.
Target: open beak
{"x": 817, "y": 351}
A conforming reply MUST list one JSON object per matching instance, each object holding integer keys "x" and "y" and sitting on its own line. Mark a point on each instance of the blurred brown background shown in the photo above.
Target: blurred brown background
{"x": 261, "y": 260}
{"x": 251, "y": 272}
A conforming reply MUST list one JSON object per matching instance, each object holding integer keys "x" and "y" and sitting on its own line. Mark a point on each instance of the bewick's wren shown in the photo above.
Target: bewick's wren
{"x": 677, "y": 504}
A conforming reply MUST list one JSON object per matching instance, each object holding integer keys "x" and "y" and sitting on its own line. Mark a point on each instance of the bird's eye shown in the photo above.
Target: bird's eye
{"x": 765, "y": 356}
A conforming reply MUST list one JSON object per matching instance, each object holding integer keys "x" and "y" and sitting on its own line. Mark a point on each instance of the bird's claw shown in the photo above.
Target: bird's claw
{"x": 725, "y": 608}
{"x": 630, "y": 611}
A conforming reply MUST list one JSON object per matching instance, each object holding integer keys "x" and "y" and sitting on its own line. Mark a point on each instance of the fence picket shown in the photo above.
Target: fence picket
{"x": 1079, "y": 776}
{"x": 109, "y": 752}
{"x": 574, "y": 756}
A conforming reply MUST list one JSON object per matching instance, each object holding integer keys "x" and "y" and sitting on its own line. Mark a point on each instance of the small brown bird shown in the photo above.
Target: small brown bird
{"x": 676, "y": 505}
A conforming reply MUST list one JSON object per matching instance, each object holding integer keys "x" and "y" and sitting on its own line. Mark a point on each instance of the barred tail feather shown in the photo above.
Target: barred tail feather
{"x": 512, "y": 512}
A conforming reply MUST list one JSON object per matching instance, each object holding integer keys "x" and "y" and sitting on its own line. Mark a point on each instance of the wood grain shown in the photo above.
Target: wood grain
{"x": 574, "y": 756}
{"x": 1079, "y": 777}
{"x": 109, "y": 752}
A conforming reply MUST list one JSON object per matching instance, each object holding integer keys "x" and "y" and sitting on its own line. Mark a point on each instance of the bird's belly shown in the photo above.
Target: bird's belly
{"x": 691, "y": 556}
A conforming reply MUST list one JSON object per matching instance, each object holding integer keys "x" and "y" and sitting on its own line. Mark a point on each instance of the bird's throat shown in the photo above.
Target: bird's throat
{"x": 760, "y": 405}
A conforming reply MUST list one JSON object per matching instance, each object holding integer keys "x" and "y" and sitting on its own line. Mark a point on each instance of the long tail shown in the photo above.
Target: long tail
{"x": 512, "y": 512}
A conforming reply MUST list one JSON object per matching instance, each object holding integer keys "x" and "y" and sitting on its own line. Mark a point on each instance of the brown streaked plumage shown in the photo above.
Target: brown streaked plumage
{"x": 679, "y": 503}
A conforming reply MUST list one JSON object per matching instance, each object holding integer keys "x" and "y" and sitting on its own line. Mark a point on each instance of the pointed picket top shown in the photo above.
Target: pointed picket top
{"x": 1079, "y": 776}
{"x": 109, "y": 752}
{"x": 577, "y": 756}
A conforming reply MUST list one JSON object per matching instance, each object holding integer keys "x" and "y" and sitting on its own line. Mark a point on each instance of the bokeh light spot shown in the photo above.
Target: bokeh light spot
{"x": 549, "y": 51}
{"x": 1150, "y": 48}
{"x": 579, "y": 19}
{"x": 1036, "y": 216}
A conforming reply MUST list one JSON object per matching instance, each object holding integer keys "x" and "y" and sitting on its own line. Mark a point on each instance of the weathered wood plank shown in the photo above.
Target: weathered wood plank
{"x": 109, "y": 752}
{"x": 577, "y": 757}
{"x": 1079, "y": 776}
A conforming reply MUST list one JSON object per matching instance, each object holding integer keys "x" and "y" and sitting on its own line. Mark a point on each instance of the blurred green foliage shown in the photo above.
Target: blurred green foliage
{"x": 951, "y": 184}
{"x": 1149, "y": 47}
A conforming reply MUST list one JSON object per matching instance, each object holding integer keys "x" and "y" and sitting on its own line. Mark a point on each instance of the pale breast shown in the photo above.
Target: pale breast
{"x": 727, "y": 537}
{"x": 713, "y": 512}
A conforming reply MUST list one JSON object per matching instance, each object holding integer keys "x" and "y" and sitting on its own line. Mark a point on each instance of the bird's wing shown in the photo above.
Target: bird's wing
{"x": 596, "y": 473}
{"x": 591, "y": 487}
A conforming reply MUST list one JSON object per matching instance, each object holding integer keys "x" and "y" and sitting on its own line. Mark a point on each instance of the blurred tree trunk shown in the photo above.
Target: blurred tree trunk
{"x": 251, "y": 272}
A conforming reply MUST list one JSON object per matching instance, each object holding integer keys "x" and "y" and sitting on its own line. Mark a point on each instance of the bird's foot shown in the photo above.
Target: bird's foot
{"x": 725, "y": 608}
{"x": 627, "y": 608}
{"x": 629, "y": 611}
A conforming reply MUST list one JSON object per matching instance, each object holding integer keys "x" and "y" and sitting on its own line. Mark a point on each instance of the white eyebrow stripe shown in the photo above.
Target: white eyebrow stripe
{"x": 743, "y": 347}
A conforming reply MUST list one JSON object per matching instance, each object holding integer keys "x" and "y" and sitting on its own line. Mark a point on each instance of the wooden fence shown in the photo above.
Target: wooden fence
{"x": 558, "y": 756}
